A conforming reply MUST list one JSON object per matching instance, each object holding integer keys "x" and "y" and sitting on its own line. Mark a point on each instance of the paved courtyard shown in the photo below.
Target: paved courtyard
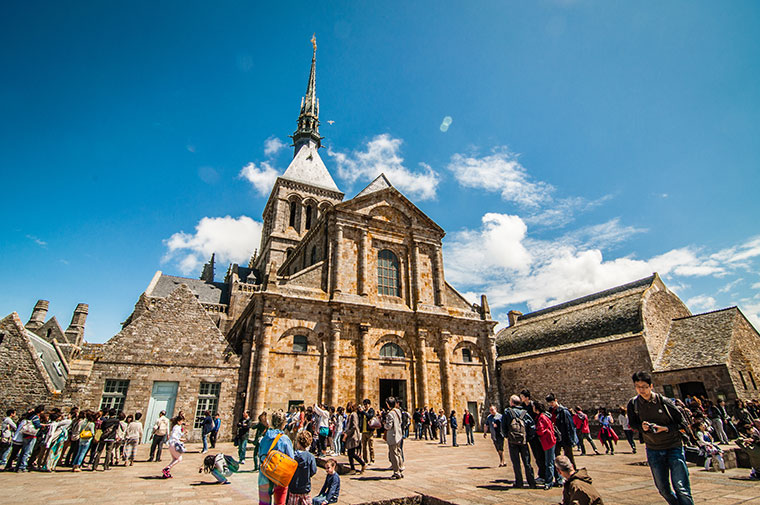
{"x": 462, "y": 475}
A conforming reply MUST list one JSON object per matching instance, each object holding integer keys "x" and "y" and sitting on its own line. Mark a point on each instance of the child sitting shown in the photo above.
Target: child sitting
{"x": 299, "y": 489}
{"x": 708, "y": 448}
{"x": 331, "y": 488}
{"x": 220, "y": 466}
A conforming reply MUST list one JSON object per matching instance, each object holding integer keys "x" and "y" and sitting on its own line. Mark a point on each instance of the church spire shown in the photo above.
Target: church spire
{"x": 308, "y": 119}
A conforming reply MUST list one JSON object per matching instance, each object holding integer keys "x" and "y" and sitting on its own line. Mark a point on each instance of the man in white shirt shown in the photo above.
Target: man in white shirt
{"x": 160, "y": 431}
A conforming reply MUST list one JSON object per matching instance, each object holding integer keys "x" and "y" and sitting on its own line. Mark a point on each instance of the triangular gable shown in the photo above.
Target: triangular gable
{"x": 381, "y": 182}
{"x": 18, "y": 349}
{"x": 307, "y": 167}
{"x": 176, "y": 331}
{"x": 51, "y": 330}
{"x": 395, "y": 199}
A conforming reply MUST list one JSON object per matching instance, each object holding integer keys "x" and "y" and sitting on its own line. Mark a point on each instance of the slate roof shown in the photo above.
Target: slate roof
{"x": 381, "y": 182}
{"x": 207, "y": 292}
{"x": 698, "y": 340}
{"x": 615, "y": 311}
{"x": 307, "y": 167}
{"x": 50, "y": 360}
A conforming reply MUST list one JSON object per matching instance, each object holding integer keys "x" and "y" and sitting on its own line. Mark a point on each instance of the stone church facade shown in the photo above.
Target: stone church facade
{"x": 344, "y": 300}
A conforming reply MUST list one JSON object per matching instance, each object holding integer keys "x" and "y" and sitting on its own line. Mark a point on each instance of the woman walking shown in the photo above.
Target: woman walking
{"x": 623, "y": 420}
{"x": 545, "y": 432}
{"x": 176, "y": 447}
{"x": 132, "y": 436}
{"x": 269, "y": 492}
{"x": 453, "y": 424}
{"x": 606, "y": 434}
{"x": 86, "y": 434}
{"x": 353, "y": 437}
{"x": 338, "y": 422}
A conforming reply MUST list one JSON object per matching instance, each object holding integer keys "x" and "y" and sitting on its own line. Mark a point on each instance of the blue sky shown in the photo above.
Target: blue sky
{"x": 590, "y": 143}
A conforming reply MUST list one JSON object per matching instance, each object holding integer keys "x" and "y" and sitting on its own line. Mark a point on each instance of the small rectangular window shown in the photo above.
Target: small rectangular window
{"x": 744, "y": 383}
{"x": 300, "y": 343}
{"x": 667, "y": 390}
{"x": 208, "y": 399}
{"x": 467, "y": 355}
{"x": 752, "y": 380}
{"x": 114, "y": 394}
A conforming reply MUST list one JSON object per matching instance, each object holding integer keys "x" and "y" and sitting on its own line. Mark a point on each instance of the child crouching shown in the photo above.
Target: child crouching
{"x": 299, "y": 489}
{"x": 220, "y": 466}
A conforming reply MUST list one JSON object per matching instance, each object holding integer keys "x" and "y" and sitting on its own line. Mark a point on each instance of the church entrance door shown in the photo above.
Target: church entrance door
{"x": 392, "y": 387}
{"x": 163, "y": 397}
{"x": 692, "y": 389}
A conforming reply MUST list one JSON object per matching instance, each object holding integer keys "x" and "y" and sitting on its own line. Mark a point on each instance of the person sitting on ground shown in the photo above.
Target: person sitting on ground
{"x": 751, "y": 447}
{"x": 577, "y": 489}
{"x": 299, "y": 489}
{"x": 331, "y": 488}
{"x": 707, "y": 447}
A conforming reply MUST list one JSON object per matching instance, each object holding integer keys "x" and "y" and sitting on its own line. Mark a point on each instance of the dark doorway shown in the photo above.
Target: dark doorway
{"x": 473, "y": 408}
{"x": 692, "y": 389}
{"x": 392, "y": 387}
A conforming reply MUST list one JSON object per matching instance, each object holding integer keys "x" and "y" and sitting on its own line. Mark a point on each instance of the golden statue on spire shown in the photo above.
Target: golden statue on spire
{"x": 314, "y": 41}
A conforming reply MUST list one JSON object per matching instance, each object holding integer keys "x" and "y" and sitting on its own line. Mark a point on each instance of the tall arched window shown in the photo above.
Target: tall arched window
{"x": 391, "y": 350}
{"x": 309, "y": 211}
{"x": 293, "y": 209}
{"x": 313, "y": 254}
{"x": 387, "y": 273}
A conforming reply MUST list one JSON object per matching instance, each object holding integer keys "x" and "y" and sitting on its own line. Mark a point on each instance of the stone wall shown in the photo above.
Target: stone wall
{"x": 660, "y": 307}
{"x": 591, "y": 376}
{"x": 716, "y": 379}
{"x": 744, "y": 359}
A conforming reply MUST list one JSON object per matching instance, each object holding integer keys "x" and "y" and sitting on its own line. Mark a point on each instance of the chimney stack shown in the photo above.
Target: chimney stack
{"x": 513, "y": 316}
{"x": 75, "y": 331}
{"x": 38, "y": 315}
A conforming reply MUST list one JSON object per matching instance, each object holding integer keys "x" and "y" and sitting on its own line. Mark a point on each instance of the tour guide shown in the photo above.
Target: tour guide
{"x": 658, "y": 419}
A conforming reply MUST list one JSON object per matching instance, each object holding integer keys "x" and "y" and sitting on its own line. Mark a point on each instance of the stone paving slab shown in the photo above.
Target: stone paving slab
{"x": 465, "y": 475}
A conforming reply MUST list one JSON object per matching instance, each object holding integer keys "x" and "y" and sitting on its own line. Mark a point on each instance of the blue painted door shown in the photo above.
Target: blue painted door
{"x": 163, "y": 397}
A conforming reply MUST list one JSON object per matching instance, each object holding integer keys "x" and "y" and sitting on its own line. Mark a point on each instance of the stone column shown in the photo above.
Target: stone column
{"x": 362, "y": 362}
{"x": 333, "y": 351}
{"x": 336, "y": 259}
{"x": 422, "y": 396}
{"x": 415, "y": 277}
{"x": 438, "y": 282}
{"x": 363, "y": 284}
{"x": 443, "y": 352}
{"x": 262, "y": 365}
{"x": 493, "y": 387}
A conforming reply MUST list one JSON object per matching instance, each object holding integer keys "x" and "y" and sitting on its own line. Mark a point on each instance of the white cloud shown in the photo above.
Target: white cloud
{"x": 232, "y": 239}
{"x": 262, "y": 177}
{"x": 741, "y": 253}
{"x": 601, "y": 236}
{"x": 702, "y": 303}
{"x": 382, "y": 155}
{"x": 37, "y": 240}
{"x": 500, "y": 171}
{"x": 273, "y": 145}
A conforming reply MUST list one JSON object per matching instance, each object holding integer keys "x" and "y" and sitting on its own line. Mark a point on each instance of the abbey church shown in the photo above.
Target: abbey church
{"x": 346, "y": 299}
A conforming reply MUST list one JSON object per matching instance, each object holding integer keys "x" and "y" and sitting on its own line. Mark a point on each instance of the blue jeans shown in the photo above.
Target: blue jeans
{"x": 84, "y": 445}
{"x": 319, "y": 500}
{"x": 668, "y": 466}
{"x": 205, "y": 441}
{"x": 5, "y": 450}
{"x": 28, "y": 447}
{"x": 552, "y": 475}
{"x": 242, "y": 447}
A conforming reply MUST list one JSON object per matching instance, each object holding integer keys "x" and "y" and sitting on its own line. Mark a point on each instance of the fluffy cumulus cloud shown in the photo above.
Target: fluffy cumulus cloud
{"x": 273, "y": 146}
{"x": 502, "y": 260}
{"x": 232, "y": 239}
{"x": 262, "y": 177}
{"x": 382, "y": 154}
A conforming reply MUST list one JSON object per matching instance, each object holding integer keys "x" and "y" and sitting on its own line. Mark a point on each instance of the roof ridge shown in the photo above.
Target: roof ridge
{"x": 706, "y": 313}
{"x": 590, "y": 297}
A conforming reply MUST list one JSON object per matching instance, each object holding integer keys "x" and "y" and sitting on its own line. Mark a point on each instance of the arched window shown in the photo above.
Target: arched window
{"x": 313, "y": 254}
{"x": 387, "y": 273}
{"x": 300, "y": 343}
{"x": 391, "y": 350}
{"x": 293, "y": 209}
{"x": 309, "y": 211}
{"x": 466, "y": 355}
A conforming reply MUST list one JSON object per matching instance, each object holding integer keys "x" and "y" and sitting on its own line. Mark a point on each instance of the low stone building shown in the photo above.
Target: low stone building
{"x": 585, "y": 350}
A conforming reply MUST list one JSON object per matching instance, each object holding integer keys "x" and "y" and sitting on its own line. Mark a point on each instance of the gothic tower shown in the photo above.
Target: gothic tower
{"x": 305, "y": 192}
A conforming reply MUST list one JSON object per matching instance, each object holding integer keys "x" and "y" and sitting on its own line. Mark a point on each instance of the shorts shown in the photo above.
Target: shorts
{"x": 498, "y": 443}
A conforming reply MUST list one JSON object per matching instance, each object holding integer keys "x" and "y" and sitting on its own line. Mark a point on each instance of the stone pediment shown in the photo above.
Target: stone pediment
{"x": 391, "y": 206}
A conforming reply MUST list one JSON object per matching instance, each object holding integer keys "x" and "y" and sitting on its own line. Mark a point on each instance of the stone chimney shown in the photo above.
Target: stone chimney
{"x": 513, "y": 315}
{"x": 75, "y": 332}
{"x": 38, "y": 315}
{"x": 485, "y": 310}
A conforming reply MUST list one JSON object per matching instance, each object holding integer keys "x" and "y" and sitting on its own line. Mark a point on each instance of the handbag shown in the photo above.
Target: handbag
{"x": 375, "y": 423}
{"x": 29, "y": 430}
{"x": 278, "y": 466}
{"x": 85, "y": 434}
{"x": 324, "y": 431}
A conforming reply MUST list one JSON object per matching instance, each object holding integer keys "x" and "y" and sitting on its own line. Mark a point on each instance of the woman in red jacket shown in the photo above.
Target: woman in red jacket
{"x": 545, "y": 432}
{"x": 580, "y": 419}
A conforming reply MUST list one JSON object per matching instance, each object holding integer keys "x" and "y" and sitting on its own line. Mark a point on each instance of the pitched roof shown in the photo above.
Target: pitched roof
{"x": 207, "y": 292}
{"x": 698, "y": 340}
{"x": 608, "y": 313}
{"x": 50, "y": 360}
{"x": 381, "y": 182}
{"x": 308, "y": 168}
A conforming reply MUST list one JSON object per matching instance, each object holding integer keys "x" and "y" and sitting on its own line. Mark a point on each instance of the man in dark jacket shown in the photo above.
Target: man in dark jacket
{"x": 533, "y": 440}
{"x": 563, "y": 420}
{"x": 659, "y": 420}
{"x": 108, "y": 428}
{"x": 208, "y": 427}
{"x": 516, "y": 424}
{"x": 578, "y": 489}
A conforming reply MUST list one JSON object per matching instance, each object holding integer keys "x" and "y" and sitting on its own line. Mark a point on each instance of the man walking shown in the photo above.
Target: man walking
{"x": 515, "y": 426}
{"x": 468, "y": 421}
{"x": 394, "y": 435}
{"x": 563, "y": 420}
{"x": 533, "y": 441}
{"x": 215, "y": 430}
{"x": 493, "y": 426}
{"x": 659, "y": 420}
{"x": 208, "y": 427}
{"x": 160, "y": 430}
{"x": 368, "y": 448}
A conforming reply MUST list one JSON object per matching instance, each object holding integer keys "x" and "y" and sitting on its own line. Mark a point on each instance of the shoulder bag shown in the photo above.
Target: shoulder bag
{"x": 278, "y": 466}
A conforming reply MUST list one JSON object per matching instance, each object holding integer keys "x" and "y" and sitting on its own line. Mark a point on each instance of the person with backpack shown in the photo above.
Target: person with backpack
{"x": 563, "y": 420}
{"x": 580, "y": 419}
{"x": 220, "y": 466}
{"x": 516, "y": 423}
{"x": 533, "y": 441}
{"x": 660, "y": 422}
